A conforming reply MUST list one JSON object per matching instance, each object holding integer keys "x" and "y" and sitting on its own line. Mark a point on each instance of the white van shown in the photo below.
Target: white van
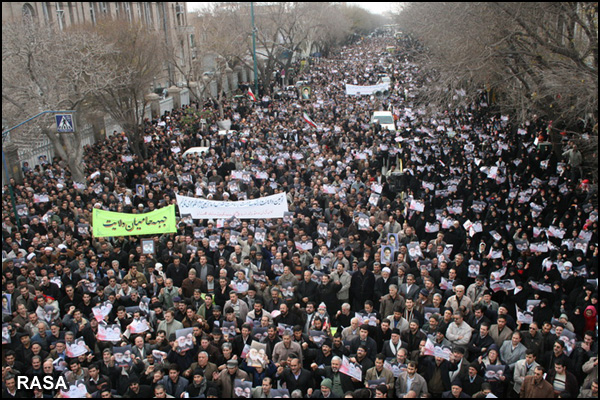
{"x": 385, "y": 119}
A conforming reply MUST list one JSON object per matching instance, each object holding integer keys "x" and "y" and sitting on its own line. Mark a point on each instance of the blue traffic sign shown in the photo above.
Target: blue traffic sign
{"x": 64, "y": 123}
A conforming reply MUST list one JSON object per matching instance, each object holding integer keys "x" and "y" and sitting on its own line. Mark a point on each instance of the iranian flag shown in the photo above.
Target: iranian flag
{"x": 308, "y": 120}
{"x": 251, "y": 94}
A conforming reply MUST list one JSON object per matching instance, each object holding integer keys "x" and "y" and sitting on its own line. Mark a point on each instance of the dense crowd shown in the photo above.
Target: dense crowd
{"x": 454, "y": 257}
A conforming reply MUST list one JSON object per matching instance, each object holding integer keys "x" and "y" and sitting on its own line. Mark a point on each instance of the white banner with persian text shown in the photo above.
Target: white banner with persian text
{"x": 265, "y": 207}
{"x": 354, "y": 90}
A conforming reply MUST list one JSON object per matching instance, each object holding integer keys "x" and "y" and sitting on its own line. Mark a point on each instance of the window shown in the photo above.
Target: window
{"x": 127, "y": 7}
{"x": 93, "y": 13}
{"x": 28, "y": 13}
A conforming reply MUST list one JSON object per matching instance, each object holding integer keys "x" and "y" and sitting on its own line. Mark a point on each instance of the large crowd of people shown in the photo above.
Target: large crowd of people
{"x": 456, "y": 256}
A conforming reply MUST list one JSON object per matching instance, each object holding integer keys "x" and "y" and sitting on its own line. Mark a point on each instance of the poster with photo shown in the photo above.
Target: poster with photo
{"x": 184, "y": 339}
{"x": 363, "y": 222}
{"x": 351, "y": 369}
{"x": 6, "y": 339}
{"x": 228, "y": 329}
{"x": 242, "y": 388}
{"x": 432, "y": 227}
{"x": 414, "y": 250}
{"x": 50, "y": 313}
{"x": 387, "y": 254}
{"x": 474, "y": 268}
{"x": 258, "y": 332}
{"x": 280, "y": 393}
{"x": 138, "y": 326}
{"x": 322, "y": 230}
{"x": 140, "y": 191}
{"x": 318, "y": 337}
{"x": 260, "y": 235}
{"x": 109, "y": 333}
{"x": 277, "y": 266}
{"x": 288, "y": 217}
{"x": 257, "y": 355}
{"x": 22, "y": 211}
{"x": 147, "y": 246}
{"x": 524, "y": 317}
{"x": 284, "y": 328}
{"x": 76, "y": 390}
{"x": 493, "y": 373}
{"x": 77, "y": 348}
{"x": 429, "y": 311}
{"x": 159, "y": 356}
{"x": 6, "y": 304}
{"x": 369, "y": 319}
{"x": 123, "y": 356}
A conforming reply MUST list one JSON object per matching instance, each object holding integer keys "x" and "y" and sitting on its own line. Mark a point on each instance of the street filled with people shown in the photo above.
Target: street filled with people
{"x": 453, "y": 256}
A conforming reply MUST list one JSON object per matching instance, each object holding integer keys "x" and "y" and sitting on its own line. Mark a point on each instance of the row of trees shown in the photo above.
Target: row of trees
{"x": 534, "y": 58}
{"x": 282, "y": 30}
{"x": 110, "y": 67}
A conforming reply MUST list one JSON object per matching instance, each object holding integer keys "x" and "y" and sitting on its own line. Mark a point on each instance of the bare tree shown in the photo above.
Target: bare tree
{"x": 534, "y": 58}
{"x": 137, "y": 59}
{"x": 45, "y": 69}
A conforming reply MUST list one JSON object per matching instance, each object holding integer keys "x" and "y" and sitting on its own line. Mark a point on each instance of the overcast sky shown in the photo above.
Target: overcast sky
{"x": 376, "y": 8}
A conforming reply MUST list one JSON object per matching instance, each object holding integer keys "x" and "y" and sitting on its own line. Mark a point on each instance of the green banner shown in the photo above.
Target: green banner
{"x": 108, "y": 223}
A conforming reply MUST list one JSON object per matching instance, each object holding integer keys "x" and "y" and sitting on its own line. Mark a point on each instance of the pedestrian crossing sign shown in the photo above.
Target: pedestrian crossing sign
{"x": 64, "y": 123}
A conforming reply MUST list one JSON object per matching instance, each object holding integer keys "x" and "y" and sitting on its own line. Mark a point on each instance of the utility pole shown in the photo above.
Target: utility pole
{"x": 254, "y": 48}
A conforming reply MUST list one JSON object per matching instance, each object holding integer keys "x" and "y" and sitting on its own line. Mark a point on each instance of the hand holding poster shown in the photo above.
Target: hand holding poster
{"x": 185, "y": 339}
{"x": 351, "y": 369}
{"x": 139, "y": 326}
{"x": 100, "y": 312}
{"x": 123, "y": 356}
{"x": 109, "y": 333}
{"x": 77, "y": 348}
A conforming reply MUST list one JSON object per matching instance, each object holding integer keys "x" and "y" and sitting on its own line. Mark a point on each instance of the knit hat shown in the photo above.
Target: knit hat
{"x": 327, "y": 383}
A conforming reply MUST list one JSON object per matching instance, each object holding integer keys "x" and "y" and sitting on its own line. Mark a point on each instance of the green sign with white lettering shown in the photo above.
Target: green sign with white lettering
{"x": 108, "y": 223}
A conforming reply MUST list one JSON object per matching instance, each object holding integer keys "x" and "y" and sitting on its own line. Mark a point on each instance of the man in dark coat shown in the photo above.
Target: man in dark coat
{"x": 295, "y": 377}
{"x": 362, "y": 286}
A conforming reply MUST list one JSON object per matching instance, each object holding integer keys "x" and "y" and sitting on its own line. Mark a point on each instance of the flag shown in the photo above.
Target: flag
{"x": 308, "y": 120}
{"x": 251, "y": 94}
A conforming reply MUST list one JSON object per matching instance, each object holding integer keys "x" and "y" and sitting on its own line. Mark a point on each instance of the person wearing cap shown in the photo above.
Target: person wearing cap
{"x": 472, "y": 381}
{"x": 501, "y": 377}
{"x": 456, "y": 391}
{"x": 137, "y": 390}
{"x": 324, "y": 392}
{"x": 475, "y": 290}
{"x": 228, "y": 376}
